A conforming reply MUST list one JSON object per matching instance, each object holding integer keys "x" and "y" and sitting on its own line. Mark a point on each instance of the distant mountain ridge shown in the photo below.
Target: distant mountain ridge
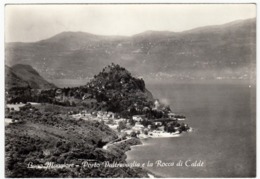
{"x": 21, "y": 75}
{"x": 225, "y": 51}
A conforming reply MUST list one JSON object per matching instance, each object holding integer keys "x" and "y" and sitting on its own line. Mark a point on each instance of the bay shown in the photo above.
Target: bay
{"x": 223, "y": 118}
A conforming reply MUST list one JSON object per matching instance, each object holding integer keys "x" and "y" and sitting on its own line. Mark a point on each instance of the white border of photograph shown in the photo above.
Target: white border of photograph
{"x": 4, "y": 2}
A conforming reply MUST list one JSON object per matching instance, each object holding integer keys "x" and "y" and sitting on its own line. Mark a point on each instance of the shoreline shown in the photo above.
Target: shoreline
{"x": 128, "y": 145}
{"x": 157, "y": 136}
{"x": 150, "y": 173}
{"x": 120, "y": 147}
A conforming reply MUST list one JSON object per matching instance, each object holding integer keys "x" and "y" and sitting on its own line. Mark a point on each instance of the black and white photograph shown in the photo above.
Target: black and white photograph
{"x": 130, "y": 90}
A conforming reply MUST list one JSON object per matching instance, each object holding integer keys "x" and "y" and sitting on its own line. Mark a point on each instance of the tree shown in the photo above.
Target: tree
{"x": 138, "y": 132}
{"x": 133, "y": 134}
{"x": 131, "y": 122}
{"x": 123, "y": 135}
{"x": 184, "y": 127}
{"x": 73, "y": 104}
{"x": 121, "y": 125}
{"x": 146, "y": 132}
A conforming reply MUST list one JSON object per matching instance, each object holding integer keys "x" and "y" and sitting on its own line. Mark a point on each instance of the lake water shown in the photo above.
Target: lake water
{"x": 223, "y": 117}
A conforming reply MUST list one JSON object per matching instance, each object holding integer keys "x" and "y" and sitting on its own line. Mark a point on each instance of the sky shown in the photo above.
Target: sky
{"x": 29, "y": 23}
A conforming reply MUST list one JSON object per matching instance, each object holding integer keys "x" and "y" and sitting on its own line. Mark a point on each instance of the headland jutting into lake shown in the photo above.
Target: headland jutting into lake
{"x": 97, "y": 122}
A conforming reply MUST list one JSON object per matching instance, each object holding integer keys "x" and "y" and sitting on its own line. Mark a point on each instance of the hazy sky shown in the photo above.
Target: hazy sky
{"x": 36, "y": 22}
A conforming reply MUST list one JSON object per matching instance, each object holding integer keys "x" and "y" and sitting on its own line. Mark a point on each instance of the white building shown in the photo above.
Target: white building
{"x": 138, "y": 118}
{"x": 158, "y": 123}
{"x": 171, "y": 115}
{"x": 138, "y": 127}
{"x": 111, "y": 115}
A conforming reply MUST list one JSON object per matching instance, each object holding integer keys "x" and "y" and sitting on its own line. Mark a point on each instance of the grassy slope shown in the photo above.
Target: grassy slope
{"x": 19, "y": 74}
{"x": 12, "y": 80}
{"x": 43, "y": 137}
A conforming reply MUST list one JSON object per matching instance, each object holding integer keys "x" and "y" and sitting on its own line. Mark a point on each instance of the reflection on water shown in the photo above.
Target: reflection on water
{"x": 224, "y": 135}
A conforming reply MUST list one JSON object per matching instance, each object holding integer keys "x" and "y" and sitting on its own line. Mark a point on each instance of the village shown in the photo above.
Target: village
{"x": 139, "y": 126}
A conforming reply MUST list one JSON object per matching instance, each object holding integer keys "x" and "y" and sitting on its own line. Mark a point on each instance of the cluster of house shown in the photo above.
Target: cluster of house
{"x": 102, "y": 115}
{"x": 112, "y": 120}
{"x": 171, "y": 116}
{"x": 109, "y": 118}
{"x": 138, "y": 127}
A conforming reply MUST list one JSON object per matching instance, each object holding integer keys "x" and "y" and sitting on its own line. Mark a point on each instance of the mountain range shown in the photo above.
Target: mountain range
{"x": 225, "y": 51}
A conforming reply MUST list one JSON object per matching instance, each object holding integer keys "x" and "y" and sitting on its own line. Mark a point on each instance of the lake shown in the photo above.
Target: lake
{"x": 223, "y": 117}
